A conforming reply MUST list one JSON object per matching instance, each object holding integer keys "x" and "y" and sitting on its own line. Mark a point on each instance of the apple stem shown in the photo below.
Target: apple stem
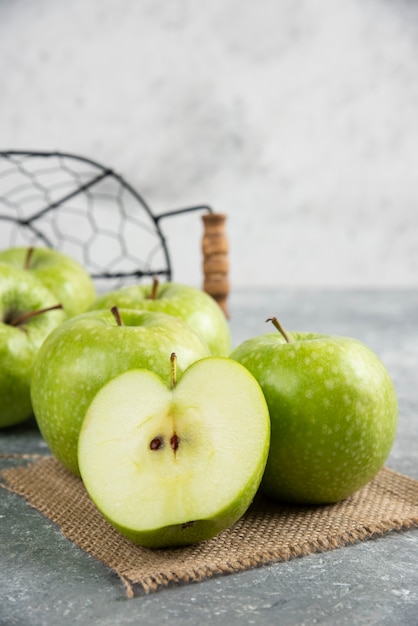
{"x": 21, "y": 319}
{"x": 28, "y": 258}
{"x": 116, "y": 314}
{"x": 280, "y": 328}
{"x": 153, "y": 294}
{"x": 173, "y": 361}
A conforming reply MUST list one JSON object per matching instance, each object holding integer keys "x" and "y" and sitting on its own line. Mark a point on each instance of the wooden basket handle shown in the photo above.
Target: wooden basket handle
{"x": 215, "y": 259}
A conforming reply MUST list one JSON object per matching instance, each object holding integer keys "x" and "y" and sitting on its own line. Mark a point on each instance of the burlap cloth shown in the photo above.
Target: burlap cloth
{"x": 268, "y": 533}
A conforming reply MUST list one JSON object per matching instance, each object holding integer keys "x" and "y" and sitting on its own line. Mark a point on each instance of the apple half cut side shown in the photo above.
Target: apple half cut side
{"x": 171, "y": 466}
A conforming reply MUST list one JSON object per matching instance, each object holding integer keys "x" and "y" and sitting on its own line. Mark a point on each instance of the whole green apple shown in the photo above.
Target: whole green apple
{"x": 333, "y": 410}
{"x": 194, "y": 306}
{"x": 61, "y": 274}
{"x": 174, "y": 464}
{"x": 80, "y": 356}
{"x": 24, "y": 324}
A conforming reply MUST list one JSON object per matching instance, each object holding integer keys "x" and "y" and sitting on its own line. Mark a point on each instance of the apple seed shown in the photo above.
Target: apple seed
{"x": 174, "y": 442}
{"x": 156, "y": 443}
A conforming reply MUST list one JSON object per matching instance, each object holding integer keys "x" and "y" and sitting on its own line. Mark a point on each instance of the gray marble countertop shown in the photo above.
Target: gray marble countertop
{"x": 46, "y": 580}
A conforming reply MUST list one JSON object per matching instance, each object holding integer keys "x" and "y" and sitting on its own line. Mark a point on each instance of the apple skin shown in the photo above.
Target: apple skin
{"x": 161, "y": 497}
{"x": 85, "y": 352}
{"x": 61, "y": 274}
{"x": 194, "y": 306}
{"x": 333, "y": 410}
{"x": 21, "y": 292}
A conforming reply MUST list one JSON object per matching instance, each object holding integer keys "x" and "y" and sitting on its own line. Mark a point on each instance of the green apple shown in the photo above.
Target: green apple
{"x": 86, "y": 351}
{"x": 194, "y": 306}
{"x": 169, "y": 465}
{"x": 24, "y": 324}
{"x": 61, "y": 274}
{"x": 333, "y": 409}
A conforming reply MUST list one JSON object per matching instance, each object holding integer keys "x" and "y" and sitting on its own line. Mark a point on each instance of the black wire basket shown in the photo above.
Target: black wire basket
{"x": 85, "y": 210}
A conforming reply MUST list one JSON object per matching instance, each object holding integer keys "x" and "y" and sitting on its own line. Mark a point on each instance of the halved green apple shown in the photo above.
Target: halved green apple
{"x": 170, "y": 466}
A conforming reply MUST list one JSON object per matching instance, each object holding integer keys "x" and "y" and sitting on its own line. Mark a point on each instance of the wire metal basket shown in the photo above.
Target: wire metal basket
{"x": 91, "y": 213}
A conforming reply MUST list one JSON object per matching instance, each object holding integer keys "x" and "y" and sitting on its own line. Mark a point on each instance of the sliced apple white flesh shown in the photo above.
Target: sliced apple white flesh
{"x": 172, "y": 466}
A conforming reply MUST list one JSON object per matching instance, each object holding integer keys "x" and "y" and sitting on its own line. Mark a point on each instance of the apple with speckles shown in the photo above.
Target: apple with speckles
{"x": 28, "y": 313}
{"x": 333, "y": 410}
{"x": 88, "y": 350}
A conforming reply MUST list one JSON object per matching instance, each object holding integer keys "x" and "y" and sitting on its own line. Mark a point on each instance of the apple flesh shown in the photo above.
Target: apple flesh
{"x": 194, "y": 306}
{"x": 333, "y": 410}
{"x": 85, "y": 352}
{"x": 173, "y": 465}
{"x": 61, "y": 274}
{"x": 24, "y": 325}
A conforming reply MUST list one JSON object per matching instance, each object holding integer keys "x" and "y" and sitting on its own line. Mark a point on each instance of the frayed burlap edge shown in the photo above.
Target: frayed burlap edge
{"x": 267, "y": 533}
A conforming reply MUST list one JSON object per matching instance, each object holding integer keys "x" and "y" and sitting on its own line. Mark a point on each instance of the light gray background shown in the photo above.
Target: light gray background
{"x": 297, "y": 118}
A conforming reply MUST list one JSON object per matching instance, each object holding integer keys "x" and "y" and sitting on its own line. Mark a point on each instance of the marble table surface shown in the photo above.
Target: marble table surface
{"x": 46, "y": 580}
